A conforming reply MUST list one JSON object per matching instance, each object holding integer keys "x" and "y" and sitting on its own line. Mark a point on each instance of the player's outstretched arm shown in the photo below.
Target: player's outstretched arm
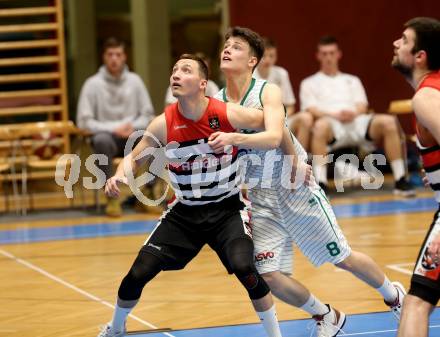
{"x": 157, "y": 128}
{"x": 271, "y": 118}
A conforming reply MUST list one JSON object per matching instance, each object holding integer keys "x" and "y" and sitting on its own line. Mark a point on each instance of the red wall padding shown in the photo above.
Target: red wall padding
{"x": 365, "y": 29}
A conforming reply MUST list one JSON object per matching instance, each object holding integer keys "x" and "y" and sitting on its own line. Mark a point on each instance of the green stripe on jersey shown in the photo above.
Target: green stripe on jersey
{"x": 248, "y": 91}
{"x": 328, "y": 218}
{"x": 225, "y": 98}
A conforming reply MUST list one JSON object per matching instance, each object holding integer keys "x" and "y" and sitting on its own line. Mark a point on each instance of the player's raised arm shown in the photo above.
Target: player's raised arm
{"x": 271, "y": 118}
{"x": 157, "y": 128}
{"x": 242, "y": 117}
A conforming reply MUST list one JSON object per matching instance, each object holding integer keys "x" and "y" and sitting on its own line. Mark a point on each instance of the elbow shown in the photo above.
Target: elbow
{"x": 275, "y": 141}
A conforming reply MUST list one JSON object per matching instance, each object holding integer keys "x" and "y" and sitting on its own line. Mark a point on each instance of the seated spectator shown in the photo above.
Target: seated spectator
{"x": 300, "y": 123}
{"x": 339, "y": 105}
{"x": 113, "y": 104}
{"x": 211, "y": 88}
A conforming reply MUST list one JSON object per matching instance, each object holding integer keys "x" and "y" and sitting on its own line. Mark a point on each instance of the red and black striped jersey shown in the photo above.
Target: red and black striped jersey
{"x": 198, "y": 175}
{"x": 430, "y": 152}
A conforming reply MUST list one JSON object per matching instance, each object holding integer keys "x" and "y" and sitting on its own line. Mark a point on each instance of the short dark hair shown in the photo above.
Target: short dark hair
{"x": 327, "y": 40}
{"x": 427, "y": 38}
{"x": 269, "y": 43}
{"x": 203, "y": 68}
{"x": 254, "y": 40}
{"x": 112, "y": 42}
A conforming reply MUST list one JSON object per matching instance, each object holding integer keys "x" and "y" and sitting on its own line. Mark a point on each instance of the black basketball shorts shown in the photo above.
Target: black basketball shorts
{"x": 183, "y": 230}
{"x": 425, "y": 281}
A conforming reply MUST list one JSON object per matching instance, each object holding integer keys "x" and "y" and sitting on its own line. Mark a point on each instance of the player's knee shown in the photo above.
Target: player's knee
{"x": 270, "y": 278}
{"x": 240, "y": 256}
{"x": 248, "y": 276}
{"x": 346, "y": 264}
{"x": 144, "y": 269}
{"x": 254, "y": 284}
{"x": 241, "y": 263}
{"x": 130, "y": 289}
{"x": 241, "y": 266}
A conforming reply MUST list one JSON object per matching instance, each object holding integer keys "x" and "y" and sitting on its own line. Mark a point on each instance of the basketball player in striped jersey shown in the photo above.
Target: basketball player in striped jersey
{"x": 417, "y": 57}
{"x": 208, "y": 208}
{"x": 282, "y": 216}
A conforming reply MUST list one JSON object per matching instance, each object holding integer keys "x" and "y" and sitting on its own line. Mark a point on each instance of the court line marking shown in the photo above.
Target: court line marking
{"x": 372, "y": 332}
{"x": 378, "y": 331}
{"x": 400, "y": 267}
{"x": 97, "y": 299}
{"x": 73, "y": 287}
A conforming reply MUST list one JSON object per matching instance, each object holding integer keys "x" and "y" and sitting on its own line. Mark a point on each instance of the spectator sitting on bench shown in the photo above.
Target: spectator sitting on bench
{"x": 339, "y": 105}
{"x": 113, "y": 104}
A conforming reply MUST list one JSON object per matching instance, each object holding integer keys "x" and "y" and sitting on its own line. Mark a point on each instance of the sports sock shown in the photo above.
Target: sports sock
{"x": 270, "y": 322}
{"x": 398, "y": 168}
{"x": 388, "y": 291}
{"x": 120, "y": 314}
{"x": 314, "y": 306}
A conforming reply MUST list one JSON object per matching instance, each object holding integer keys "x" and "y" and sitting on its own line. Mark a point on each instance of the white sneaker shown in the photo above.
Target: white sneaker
{"x": 396, "y": 306}
{"x": 329, "y": 325}
{"x": 107, "y": 331}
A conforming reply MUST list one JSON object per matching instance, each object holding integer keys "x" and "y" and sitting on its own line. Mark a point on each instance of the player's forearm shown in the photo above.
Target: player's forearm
{"x": 265, "y": 140}
{"x": 126, "y": 164}
{"x": 288, "y": 148}
{"x": 287, "y": 144}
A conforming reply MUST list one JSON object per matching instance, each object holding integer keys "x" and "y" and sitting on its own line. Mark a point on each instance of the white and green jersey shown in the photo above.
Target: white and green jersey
{"x": 263, "y": 172}
{"x": 282, "y": 216}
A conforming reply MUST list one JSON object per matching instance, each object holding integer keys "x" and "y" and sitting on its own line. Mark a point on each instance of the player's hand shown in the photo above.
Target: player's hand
{"x": 111, "y": 186}
{"x": 221, "y": 142}
{"x": 302, "y": 174}
{"x": 434, "y": 249}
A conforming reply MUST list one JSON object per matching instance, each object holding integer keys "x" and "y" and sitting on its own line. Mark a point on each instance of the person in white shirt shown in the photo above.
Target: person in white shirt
{"x": 300, "y": 123}
{"x": 211, "y": 87}
{"x": 339, "y": 105}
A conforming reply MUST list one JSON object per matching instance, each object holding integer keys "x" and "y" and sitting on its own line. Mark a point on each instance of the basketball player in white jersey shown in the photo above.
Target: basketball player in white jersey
{"x": 282, "y": 216}
{"x": 208, "y": 208}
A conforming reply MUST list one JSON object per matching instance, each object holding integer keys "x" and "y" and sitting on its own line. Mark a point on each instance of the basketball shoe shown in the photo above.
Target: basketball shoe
{"x": 107, "y": 331}
{"x": 396, "y": 306}
{"x": 329, "y": 324}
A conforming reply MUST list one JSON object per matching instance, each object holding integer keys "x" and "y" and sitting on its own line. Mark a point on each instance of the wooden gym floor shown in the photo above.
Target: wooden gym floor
{"x": 60, "y": 280}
